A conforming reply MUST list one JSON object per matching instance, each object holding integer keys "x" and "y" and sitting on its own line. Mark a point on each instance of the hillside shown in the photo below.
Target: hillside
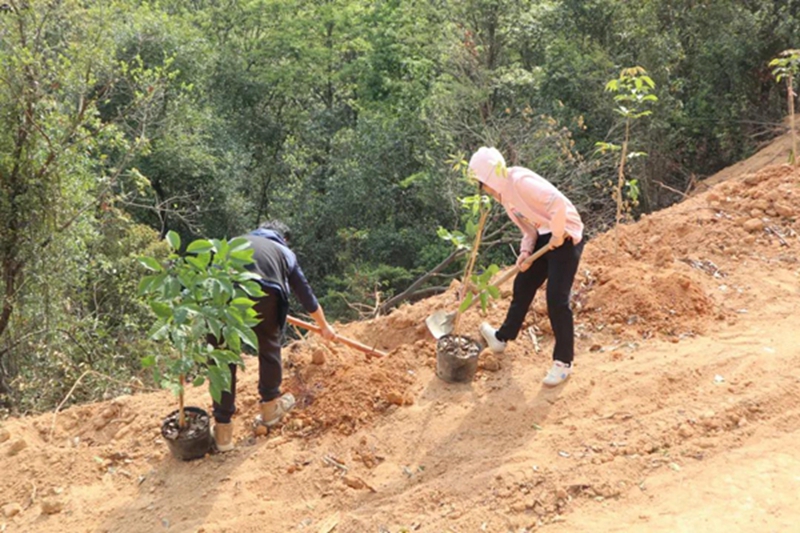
{"x": 682, "y": 414}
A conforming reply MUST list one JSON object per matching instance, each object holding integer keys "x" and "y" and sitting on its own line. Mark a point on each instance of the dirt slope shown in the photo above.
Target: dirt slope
{"x": 682, "y": 414}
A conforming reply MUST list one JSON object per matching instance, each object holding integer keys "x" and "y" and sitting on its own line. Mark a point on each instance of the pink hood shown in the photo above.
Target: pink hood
{"x": 532, "y": 202}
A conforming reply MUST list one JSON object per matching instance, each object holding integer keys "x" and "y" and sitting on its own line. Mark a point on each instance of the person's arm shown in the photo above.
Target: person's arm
{"x": 525, "y": 250}
{"x": 557, "y": 209}
{"x": 326, "y": 330}
{"x": 302, "y": 289}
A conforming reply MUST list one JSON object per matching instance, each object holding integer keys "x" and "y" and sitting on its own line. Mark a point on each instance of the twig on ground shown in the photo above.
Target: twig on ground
{"x": 534, "y": 340}
{"x": 333, "y": 462}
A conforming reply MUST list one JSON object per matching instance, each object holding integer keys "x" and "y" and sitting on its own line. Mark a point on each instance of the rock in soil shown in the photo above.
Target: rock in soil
{"x": 318, "y": 357}
{"x": 11, "y": 510}
{"x": 395, "y": 398}
{"x": 753, "y": 225}
{"x": 489, "y": 361}
{"x": 4, "y": 435}
{"x": 16, "y": 447}
{"x": 52, "y": 506}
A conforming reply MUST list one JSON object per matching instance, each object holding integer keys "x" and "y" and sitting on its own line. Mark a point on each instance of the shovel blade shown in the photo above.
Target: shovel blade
{"x": 440, "y": 323}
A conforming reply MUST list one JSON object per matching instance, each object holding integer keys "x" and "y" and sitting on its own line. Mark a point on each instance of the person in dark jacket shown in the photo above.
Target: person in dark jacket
{"x": 280, "y": 275}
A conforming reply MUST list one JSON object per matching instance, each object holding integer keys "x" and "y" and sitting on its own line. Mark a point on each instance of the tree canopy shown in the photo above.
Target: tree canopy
{"x": 125, "y": 119}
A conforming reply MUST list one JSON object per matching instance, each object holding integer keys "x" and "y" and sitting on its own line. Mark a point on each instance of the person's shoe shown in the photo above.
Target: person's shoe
{"x": 274, "y": 410}
{"x": 223, "y": 437}
{"x": 489, "y": 335}
{"x": 558, "y": 374}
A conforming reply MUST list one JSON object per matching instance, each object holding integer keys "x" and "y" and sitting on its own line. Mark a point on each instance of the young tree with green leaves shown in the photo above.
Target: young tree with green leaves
{"x": 632, "y": 94}
{"x": 785, "y": 67}
{"x": 202, "y": 301}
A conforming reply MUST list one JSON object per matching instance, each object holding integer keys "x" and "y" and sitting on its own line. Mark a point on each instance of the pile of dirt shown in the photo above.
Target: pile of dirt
{"x": 343, "y": 389}
{"x": 664, "y": 273}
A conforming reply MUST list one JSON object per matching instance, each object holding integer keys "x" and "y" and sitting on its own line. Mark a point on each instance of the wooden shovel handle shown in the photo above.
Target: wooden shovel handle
{"x": 513, "y": 271}
{"x": 343, "y": 340}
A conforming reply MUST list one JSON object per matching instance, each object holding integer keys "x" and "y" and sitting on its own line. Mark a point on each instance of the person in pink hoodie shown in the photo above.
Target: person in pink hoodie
{"x": 547, "y": 219}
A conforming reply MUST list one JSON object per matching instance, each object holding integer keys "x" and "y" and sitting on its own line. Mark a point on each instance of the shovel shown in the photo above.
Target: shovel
{"x": 343, "y": 340}
{"x": 441, "y": 323}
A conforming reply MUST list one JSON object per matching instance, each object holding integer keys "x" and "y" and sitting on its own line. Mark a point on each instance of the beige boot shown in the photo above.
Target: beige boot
{"x": 273, "y": 411}
{"x": 223, "y": 437}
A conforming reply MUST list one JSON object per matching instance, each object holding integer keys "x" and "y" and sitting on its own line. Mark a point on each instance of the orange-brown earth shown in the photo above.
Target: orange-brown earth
{"x": 682, "y": 414}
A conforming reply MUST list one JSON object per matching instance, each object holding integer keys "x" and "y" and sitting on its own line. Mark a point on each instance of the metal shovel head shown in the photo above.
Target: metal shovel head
{"x": 440, "y": 323}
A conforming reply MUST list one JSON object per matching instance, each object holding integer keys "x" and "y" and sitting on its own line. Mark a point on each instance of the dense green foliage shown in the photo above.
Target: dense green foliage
{"x": 124, "y": 119}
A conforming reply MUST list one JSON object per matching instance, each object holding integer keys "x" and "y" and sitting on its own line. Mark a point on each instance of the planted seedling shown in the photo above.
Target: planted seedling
{"x": 203, "y": 307}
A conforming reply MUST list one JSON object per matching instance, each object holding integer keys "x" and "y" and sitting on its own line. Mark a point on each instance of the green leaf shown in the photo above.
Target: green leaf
{"x": 239, "y": 244}
{"x": 200, "y": 246}
{"x": 484, "y": 297}
{"x": 493, "y": 291}
{"x": 180, "y": 314}
{"x": 151, "y": 264}
{"x": 162, "y": 310}
{"x": 252, "y": 289}
{"x": 199, "y": 380}
{"x": 249, "y": 337}
{"x": 466, "y": 303}
{"x": 159, "y": 331}
{"x": 174, "y": 240}
{"x": 196, "y": 262}
{"x": 148, "y": 361}
{"x": 232, "y": 339}
{"x": 219, "y": 380}
{"x": 243, "y": 303}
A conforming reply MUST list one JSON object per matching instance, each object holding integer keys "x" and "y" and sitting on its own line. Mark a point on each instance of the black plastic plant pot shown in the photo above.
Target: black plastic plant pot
{"x": 457, "y": 358}
{"x": 192, "y": 441}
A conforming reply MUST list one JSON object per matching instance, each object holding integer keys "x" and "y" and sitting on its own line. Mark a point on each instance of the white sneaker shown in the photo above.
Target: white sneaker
{"x": 488, "y": 333}
{"x": 558, "y": 374}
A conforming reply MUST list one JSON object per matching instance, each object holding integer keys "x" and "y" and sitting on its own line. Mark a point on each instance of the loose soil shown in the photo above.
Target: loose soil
{"x": 682, "y": 413}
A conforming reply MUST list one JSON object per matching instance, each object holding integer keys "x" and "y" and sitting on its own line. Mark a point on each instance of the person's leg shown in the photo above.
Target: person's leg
{"x": 272, "y": 311}
{"x": 222, "y": 432}
{"x": 269, "y": 333}
{"x": 224, "y": 409}
{"x": 525, "y": 286}
{"x": 562, "y": 267}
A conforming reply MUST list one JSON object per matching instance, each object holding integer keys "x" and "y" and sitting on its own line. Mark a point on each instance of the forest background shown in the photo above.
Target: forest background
{"x": 121, "y": 120}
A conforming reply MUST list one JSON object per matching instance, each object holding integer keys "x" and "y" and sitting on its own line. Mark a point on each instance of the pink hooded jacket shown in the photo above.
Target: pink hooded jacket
{"x": 532, "y": 202}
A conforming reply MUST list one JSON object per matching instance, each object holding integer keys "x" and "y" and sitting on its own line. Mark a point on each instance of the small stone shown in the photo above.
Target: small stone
{"x": 685, "y": 431}
{"x": 11, "y": 510}
{"x": 518, "y": 507}
{"x": 318, "y": 357}
{"x": 712, "y": 197}
{"x": 16, "y": 447}
{"x": 394, "y": 398}
{"x": 753, "y": 179}
{"x": 761, "y": 204}
{"x": 4, "y": 435}
{"x": 489, "y": 361}
{"x": 260, "y": 430}
{"x": 561, "y": 494}
{"x": 52, "y": 506}
{"x": 784, "y": 210}
{"x": 753, "y": 225}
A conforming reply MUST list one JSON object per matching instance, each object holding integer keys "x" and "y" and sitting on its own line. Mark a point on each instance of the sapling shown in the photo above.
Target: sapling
{"x": 203, "y": 307}
{"x": 633, "y": 92}
{"x": 785, "y": 67}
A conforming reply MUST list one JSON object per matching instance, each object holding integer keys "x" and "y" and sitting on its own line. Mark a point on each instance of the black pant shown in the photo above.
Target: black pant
{"x": 272, "y": 311}
{"x": 558, "y": 267}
